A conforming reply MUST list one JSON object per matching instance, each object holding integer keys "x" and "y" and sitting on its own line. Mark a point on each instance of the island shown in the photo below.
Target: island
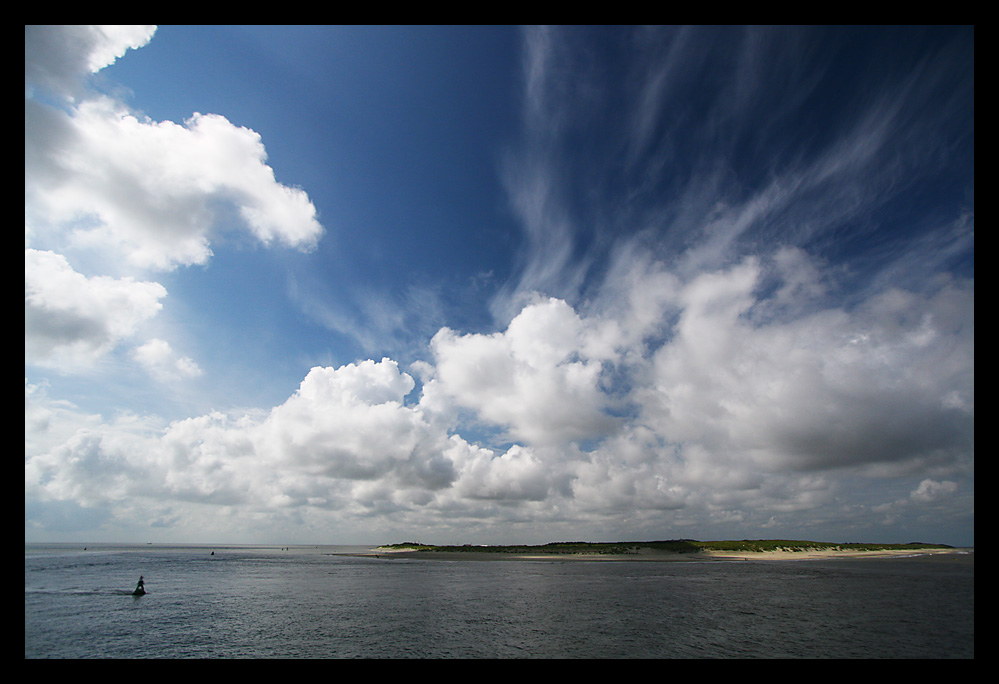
{"x": 671, "y": 550}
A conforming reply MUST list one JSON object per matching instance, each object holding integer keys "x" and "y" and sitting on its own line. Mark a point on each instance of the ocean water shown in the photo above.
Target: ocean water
{"x": 312, "y": 602}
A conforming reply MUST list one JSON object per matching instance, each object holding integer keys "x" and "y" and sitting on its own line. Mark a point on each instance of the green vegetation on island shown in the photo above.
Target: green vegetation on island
{"x": 674, "y": 546}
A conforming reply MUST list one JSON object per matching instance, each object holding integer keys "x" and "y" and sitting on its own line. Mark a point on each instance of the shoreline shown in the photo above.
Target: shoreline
{"x": 647, "y": 555}
{"x": 824, "y": 554}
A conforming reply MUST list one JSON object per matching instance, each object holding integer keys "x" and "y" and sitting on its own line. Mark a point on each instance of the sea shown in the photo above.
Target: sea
{"x": 321, "y": 602}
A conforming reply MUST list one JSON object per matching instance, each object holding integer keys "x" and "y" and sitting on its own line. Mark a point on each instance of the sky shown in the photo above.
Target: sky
{"x": 363, "y": 285}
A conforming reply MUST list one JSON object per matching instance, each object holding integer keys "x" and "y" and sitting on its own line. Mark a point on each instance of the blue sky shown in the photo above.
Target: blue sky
{"x": 358, "y": 285}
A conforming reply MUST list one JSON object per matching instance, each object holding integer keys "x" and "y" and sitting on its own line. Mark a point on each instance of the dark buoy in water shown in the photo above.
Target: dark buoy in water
{"x": 140, "y": 588}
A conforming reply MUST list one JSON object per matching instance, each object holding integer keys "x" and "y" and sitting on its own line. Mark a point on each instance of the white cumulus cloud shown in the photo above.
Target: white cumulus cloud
{"x": 58, "y": 57}
{"x": 534, "y": 379}
{"x": 150, "y": 191}
{"x": 121, "y": 196}
{"x": 71, "y": 320}
{"x": 160, "y": 360}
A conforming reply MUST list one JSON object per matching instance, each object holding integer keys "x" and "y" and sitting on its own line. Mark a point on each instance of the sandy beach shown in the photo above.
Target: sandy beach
{"x": 655, "y": 555}
{"x": 825, "y": 554}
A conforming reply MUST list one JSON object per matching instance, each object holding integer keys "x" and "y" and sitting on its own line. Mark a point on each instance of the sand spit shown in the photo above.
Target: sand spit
{"x": 826, "y": 554}
{"x": 644, "y": 554}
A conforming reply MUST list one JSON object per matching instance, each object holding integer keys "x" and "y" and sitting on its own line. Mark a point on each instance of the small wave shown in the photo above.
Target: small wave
{"x": 78, "y": 592}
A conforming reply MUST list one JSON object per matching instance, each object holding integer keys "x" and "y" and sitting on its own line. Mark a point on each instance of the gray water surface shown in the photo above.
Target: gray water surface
{"x": 313, "y": 602}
